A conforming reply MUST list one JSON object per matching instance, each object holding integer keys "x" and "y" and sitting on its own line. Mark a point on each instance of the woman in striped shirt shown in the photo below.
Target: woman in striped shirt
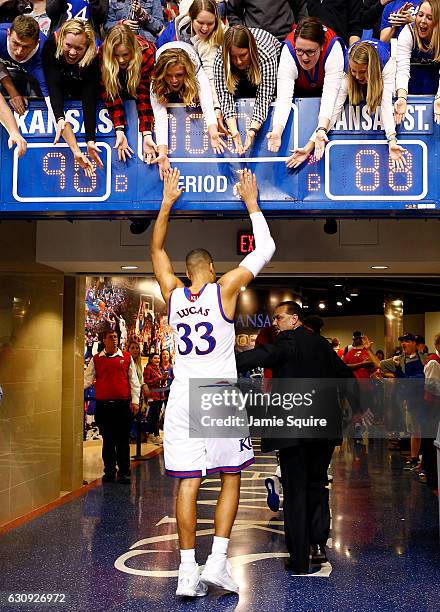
{"x": 246, "y": 67}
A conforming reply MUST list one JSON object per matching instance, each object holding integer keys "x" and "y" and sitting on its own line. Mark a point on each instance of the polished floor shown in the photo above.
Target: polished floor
{"x": 115, "y": 547}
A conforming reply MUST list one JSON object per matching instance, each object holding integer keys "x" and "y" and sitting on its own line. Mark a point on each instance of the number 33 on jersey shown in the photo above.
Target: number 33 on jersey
{"x": 204, "y": 336}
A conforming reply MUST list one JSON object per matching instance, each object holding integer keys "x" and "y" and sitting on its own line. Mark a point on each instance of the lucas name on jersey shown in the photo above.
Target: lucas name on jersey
{"x": 193, "y": 310}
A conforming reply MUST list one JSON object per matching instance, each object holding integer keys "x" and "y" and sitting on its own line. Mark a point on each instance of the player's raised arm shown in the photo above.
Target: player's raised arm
{"x": 253, "y": 263}
{"x": 162, "y": 267}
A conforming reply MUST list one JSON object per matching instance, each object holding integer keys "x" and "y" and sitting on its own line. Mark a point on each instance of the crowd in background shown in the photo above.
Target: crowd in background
{"x": 208, "y": 53}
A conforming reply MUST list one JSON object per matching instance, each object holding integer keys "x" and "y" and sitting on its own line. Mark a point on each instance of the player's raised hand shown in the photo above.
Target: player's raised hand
{"x": 93, "y": 152}
{"x": 171, "y": 189}
{"x": 121, "y": 144}
{"x": 61, "y": 124}
{"x": 247, "y": 187}
{"x": 17, "y": 139}
{"x": 298, "y": 157}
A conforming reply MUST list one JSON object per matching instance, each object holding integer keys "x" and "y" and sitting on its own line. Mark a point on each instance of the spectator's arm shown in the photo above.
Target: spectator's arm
{"x": 225, "y": 98}
{"x": 265, "y": 356}
{"x": 53, "y": 77}
{"x": 286, "y": 77}
{"x": 389, "y": 79}
{"x": 266, "y": 89}
{"x": 388, "y": 365}
{"x": 160, "y": 121}
{"x": 89, "y": 96}
{"x": 143, "y": 101}
{"x": 205, "y": 97}
{"x": 235, "y": 12}
{"x": 334, "y": 71}
{"x": 404, "y": 50}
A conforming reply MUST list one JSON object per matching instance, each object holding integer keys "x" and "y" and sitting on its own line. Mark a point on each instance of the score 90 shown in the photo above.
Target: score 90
{"x": 55, "y": 164}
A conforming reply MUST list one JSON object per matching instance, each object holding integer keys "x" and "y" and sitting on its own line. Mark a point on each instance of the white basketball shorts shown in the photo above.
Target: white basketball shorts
{"x": 187, "y": 457}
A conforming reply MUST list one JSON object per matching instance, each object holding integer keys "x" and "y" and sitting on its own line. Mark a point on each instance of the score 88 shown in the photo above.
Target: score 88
{"x": 373, "y": 170}
{"x": 60, "y": 171}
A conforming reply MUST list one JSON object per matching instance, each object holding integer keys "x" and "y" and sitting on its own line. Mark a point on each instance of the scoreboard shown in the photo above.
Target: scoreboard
{"x": 354, "y": 177}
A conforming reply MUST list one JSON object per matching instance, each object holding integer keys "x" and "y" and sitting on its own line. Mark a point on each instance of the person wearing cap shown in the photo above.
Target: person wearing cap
{"x": 409, "y": 365}
{"x": 421, "y": 345}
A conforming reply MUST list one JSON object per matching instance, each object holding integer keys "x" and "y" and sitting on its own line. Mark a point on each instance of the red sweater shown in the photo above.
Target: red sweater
{"x": 111, "y": 374}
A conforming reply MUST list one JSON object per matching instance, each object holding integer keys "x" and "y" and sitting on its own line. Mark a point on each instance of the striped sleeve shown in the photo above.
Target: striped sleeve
{"x": 268, "y": 52}
{"x": 143, "y": 102}
{"x": 225, "y": 98}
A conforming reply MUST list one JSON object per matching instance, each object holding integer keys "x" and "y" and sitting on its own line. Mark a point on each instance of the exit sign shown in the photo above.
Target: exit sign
{"x": 245, "y": 242}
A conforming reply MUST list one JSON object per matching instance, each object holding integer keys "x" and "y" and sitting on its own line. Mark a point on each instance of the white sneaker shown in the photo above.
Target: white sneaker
{"x": 189, "y": 583}
{"x": 217, "y": 572}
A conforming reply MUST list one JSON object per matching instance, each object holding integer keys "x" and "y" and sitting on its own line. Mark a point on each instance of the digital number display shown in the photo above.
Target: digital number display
{"x": 355, "y": 175}
{"x": 51, "y": 173}
{"x": 362, "y": 170}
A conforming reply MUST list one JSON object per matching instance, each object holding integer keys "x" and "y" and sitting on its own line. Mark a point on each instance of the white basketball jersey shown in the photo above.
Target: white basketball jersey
{"x": 204, "y": 336}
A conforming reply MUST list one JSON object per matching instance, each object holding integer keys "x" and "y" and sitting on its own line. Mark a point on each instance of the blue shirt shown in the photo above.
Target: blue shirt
{"x": 393, "y": 7}
{"x": 33, "y": 66}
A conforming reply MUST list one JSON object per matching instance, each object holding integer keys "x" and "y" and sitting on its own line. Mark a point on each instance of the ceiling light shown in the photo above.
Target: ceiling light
{"x": 379, "y": 267}
{"x": 339, "y": 303}
{"x": 129, "y": 267}
{"x": 347, "y": 299}
{"x": 338, "y": 285}
{"x": 354, "y": 292}
{"x": 321, "y": 306}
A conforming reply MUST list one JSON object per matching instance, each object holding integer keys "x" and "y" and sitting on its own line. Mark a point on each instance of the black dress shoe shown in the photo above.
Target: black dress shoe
{"x": 318, "y": 555}
{"x": 124, "y": 479}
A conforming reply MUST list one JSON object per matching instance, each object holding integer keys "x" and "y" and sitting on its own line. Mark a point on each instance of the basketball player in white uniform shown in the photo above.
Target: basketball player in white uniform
{"x": 202, "y": 321}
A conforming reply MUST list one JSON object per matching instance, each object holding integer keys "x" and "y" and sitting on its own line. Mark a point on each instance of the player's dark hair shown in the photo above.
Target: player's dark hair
{"x": 26, "y": 26}
{"x": 315, "y": 323}
{"x": 311, "y": 28}
{"x": 197, "y": 257}
{"x": 292, "y": 308}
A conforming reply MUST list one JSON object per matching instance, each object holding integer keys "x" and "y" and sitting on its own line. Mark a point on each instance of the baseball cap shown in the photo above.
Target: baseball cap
{"x": 420, "y": 339}
{"x": 407, "y": 337}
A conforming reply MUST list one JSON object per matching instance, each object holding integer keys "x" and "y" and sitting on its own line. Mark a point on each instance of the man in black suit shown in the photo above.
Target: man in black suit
{"x": 302, "y": 354}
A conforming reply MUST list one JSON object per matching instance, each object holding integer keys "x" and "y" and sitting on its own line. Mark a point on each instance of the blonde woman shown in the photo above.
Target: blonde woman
{"x": 370, "y": 78}
{"x": 70, "y": 65}
{"x": 419, "y": 43}
{"x": 127, "y": 62}
{"x": 201, "y": 26}
{"x": 246, "y": 67}
{"x": 179, "y": 78}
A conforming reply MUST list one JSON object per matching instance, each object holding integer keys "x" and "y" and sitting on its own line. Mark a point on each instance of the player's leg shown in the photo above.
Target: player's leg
{"x": 186, "y": 511}
{"x": 217, "y": 570}
{"x": 189, "y": 584}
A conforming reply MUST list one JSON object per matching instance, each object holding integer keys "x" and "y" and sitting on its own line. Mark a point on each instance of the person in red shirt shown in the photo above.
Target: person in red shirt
{"x": 117, "y": 390}
{"x": 363, "y": 363}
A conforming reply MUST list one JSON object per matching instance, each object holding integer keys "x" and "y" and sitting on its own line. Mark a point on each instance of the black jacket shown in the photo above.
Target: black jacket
{"x": 274, "y": 16}
{"x": 342, "y": 16}
{"x": 300, "y": 354}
